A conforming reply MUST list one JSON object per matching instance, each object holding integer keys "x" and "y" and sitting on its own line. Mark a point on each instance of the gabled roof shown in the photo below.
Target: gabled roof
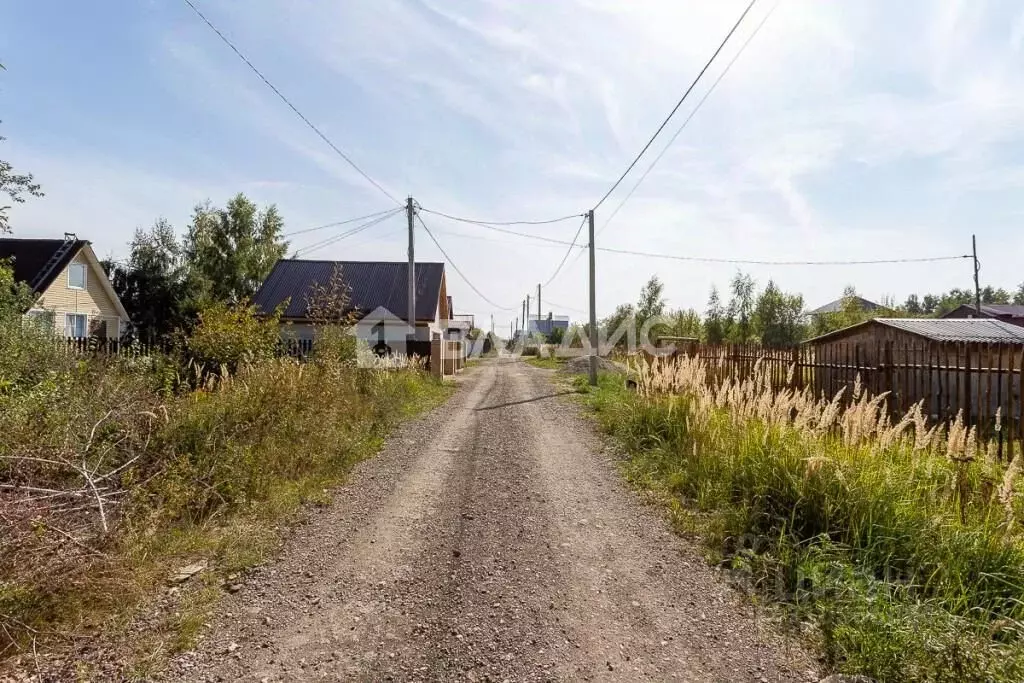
{"x": 39, "y": 261}
{"x": 372, "y": 285}
{"x": 991, "y": 310}
{"x": 969, "y": 330}
{"x": 837, "y": 306}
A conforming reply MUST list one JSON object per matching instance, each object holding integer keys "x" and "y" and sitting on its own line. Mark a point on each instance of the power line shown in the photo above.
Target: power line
{"x": 701, "y": 259}
{"x": 487, "y": 238}
{"x": 689, "y": 118}
{"x": 492, "y": 223}
{"x": 563, "y": 306}
{"x": 316, "y": 246}
{"x": 290, "y": 105}
{"x": 678, "y": 105}
{"x": 337, "y": 223}
{"x": 506, "y": 231}
{"x": 567, "y": 252}
{"x": 456, "y": 268}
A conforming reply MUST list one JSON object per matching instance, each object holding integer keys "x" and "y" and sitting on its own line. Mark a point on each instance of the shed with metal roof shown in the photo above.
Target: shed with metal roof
{"x": 969, "y": 364}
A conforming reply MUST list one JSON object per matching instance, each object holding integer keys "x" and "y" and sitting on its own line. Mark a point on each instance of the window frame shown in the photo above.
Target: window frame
{"x": 85, "y": 325}
{"x": 85, "y": 275}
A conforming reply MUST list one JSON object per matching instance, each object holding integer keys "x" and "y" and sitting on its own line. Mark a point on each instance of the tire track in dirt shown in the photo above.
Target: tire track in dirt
{"x": 490, "y": 540}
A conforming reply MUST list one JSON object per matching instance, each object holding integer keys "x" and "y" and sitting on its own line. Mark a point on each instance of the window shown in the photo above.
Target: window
{"x": 76, "y": 325}
{"x": 76, "y": 276}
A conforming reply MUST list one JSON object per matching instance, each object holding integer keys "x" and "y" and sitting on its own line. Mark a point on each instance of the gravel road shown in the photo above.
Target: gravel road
{"x": 492, "y": 539}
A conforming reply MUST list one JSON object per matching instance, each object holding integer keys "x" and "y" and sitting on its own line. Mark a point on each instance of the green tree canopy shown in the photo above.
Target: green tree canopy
{"x": 716, "y": 320}
{"x": 778, "y": 317}
{"x": 151, "y": 284}
{"x": 230, "y": 251}
{"x": 741, "y": 308}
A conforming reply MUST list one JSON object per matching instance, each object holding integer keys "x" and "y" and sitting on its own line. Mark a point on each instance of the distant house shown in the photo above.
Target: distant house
{"x": 1011, "y": 313}
{"x": 547, "y": 324}
{"x": 378, "y": 298}
{"x": 837, "y": 306}
{"x": 73, "y": 294}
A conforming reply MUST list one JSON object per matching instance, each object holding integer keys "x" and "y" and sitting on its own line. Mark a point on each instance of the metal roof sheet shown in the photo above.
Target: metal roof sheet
{"x": 837, "y": 305}
{"x": 959, "y": 330}
{"x": 969, "y": 330}
{"x": 30, "y": 256}
{"x": 372, "y": 284}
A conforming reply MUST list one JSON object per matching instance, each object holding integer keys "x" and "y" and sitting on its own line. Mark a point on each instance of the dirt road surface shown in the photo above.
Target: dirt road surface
{"x": 492, "y": 539}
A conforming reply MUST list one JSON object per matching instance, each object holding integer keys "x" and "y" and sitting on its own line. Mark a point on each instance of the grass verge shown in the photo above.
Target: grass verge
{"x": 548, "y": 363}
{"x": 896, "y": 549}
{"x": 213, "y": 474}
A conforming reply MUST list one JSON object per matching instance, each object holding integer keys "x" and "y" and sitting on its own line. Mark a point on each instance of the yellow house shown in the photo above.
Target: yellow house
{"x": 73, "y": 293}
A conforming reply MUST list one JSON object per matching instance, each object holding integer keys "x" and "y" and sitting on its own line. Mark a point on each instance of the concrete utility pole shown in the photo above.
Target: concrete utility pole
{"x": 593, "y": 305}
{"x": 526, "y": 319}
{"x": 524, "y": 315}
{"x": 410, "y": 212}
{"x": 977, "y": 267}
{"x": 538, "y": 307}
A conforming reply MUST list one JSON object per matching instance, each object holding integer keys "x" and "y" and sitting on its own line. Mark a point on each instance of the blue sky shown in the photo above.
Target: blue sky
{"x": 847, "y": 130}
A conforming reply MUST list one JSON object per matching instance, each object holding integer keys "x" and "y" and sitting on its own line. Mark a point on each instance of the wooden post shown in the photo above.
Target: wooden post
{"x": 888, "y": 374}
{"x": 1008, "y": 413}
{"x": 968, "y": 386}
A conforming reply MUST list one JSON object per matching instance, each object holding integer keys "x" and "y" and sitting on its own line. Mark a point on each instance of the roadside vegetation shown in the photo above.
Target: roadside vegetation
{"x": 117, "y": 471}
{"x": 897, "y": 548}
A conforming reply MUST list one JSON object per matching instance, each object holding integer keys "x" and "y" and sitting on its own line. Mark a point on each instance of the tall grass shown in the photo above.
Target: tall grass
{"x": 109, "y": 482}
{"x": 900, "y": 542}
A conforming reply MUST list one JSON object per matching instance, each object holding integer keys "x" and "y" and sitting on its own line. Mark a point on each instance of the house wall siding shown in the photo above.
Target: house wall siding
{"x": 92, "y": 301}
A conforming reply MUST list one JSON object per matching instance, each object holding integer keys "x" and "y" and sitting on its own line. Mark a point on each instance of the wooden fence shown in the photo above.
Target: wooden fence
{"x": 978, "y": 379}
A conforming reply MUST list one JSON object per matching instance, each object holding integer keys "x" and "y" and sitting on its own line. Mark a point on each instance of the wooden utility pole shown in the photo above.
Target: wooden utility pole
{"x": 977, "y": 267}
{"x": 410, "y": 212}
{"x": 593, "y": 305}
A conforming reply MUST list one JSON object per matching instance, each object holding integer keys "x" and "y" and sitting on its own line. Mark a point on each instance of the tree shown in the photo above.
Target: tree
{"x": 15, "y": 297}
{"x": 230, "y": 251}
{"x": 619, "y": 321}
{"x": 913, "y": 305}
{"x": 716, "y": 324}
{"x": 1018, "y": 296}
{"x": 151, "y": 284}
{"x": 686, "y": 324}
{"x": 15, "y": 186}
{"x": 556, "y": 335}
{"x": 652, "y": 302}
{"x": 777, "y": 317}
{"x": 741, "y": 307}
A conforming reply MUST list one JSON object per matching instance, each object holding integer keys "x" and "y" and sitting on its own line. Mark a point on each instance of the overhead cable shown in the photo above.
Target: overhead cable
{"x": 288, "y": 102}
{"x": 316, "y": 246}
{"x": 457, "y": 270}
{"x": 700, "y": 103}
{"x": 678, "y": 105}
{"x": 339, "y": 223}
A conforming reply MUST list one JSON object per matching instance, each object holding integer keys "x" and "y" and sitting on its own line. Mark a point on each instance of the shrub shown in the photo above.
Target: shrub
{"x": 227, "y": 337}
{"x": 141, "y": 479}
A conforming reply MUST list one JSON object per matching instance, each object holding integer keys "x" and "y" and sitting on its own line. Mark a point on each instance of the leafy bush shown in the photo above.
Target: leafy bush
{"x": 227, "y": 337}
